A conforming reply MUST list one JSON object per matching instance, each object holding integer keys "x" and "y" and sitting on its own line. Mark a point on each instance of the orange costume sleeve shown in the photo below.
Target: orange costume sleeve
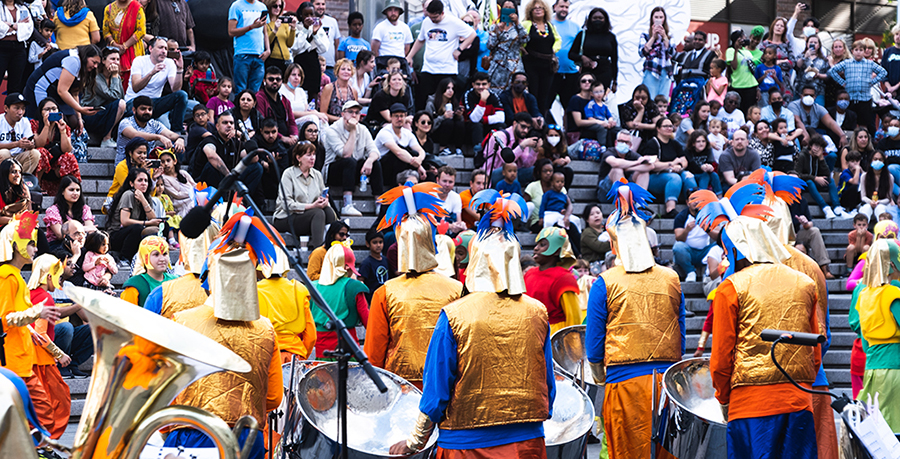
{"x": 20, "y": 352}
{"x": 130, "y": 294}
{"x": 378, "y": 330}
{"x": 314, "y": 265}
{"x": 309, "y": 333}
{"x": 276, "y": 385}
{"x": 721, "y": 361}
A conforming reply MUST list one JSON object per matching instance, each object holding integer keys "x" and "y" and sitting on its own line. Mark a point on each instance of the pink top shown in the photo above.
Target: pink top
{"x": 218, "y": 106}
{"x": 93, "y": 271}
{"x": 52, "y": 217}
{"x": 856, "y": 275}
{"x": 722, "y": 81}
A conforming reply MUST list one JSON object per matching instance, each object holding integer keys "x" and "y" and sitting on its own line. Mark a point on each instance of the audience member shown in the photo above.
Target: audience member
{"x": 131, "y": 216}
{"x": 310, "y": 42}
{"x": 203, "y": 80}
{"x": 351, "y": 45}
{"x": 556, "y": 207}
{"x": 142, "y": 125}
{"x": 594, "y": 240}
{"x": 890, "y": 146}
{"x": 398, "y": 147}
{"x": 267, "y": 138}
{"x": 176, "y": 22}
{"x": 251, "y": 45}
{"x": 362, "y": 80}
{"x": 281, "y": 31}
{"x": 517, "y": 99}
{"x": 451, "y": 202}
{"x": 640, "y": 113}
{"x": 509, "y": 184}
{"x": 671, "y": 168}
{"x": 304, "y": 209}
{"x": 124, "y": 27}
{"x": 220, "y": 102}
{"x": 449, "y": 129}
{"x": 338, "y": 92}
{"x": 598, "y": 122}
{"x": 840, "y": 112}
{"x": 622, "y": 162}
{"x": 69, "y": 204}
{"x": 351, "y": 153}
{"x": 518, "y": 143}
{"x": 698, "y": 62}
{"x": 219, "y": 153}
{"x": 310, "y": 133}
{"x": 75, "y": 25}
{"x": 815, "y": 119}
{"x": 37, "y": 51}
{"x": 150, "y": 73}
{"x": 858, "y": 240}
{"x": 717, "y": 85}
{"x": 596, "y": 49}
{"x": 857, "y": 76}
{"x": 53, "y": 141}
{"x": 538, "y": 53}
{"x": 553, "y": 146}
{"x": 565, "y": 83}
{"x": 246, "y": 117}
{"x": 876, "y": 188}
{"x": 575, "y": 108}
{"x": 99, "y": 266}
{"x": 810, "y": 166}
{"x": 393, "y": 90}
{"x": 270, "y": 103}
{"x": 692, "y": 244}
{"x": 391, "y": 37}
{"x": 657, "y": 51}
{"x": 848, "y": 183}
{"x": 292, "y": 89}
{"x": 730, "y": 114}
{"x": 701, "y": 159}
{"x": 198, "y": 128}
{"x": 421, "y": 127}
{"x": 483, "y": 110}
{"x": 374, "y": 270}
{"x": 179, "y": 185}
{"x": 18, "y": 28}
{"x": 768, "y": 75}
{"x": 744, "y": 84}
{"x": 534, "y": 192}
{"x": 738, "y": 160}
{"x": 17, "y": 138}
{"x": 476, "y": 183}
{"x": 699, "y": 119}
{"x": 506, "y": 39}
{"x": 107, "y": 92}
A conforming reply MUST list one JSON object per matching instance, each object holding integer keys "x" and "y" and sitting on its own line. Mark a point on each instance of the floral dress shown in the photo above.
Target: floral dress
{"x": 52, "y": 169}
{"x": 766, "y": 157}
{"x": 506, "y": 54}
{"x": 783, "y": 51}
{"x": 805, "y": 69}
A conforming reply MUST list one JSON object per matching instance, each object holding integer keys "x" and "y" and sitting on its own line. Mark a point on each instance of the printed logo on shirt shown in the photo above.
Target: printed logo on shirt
{"x": 353, "y": 49}
{"x": 886, "y": 152}
{"x": 398, "y": 36}
{"x": 11, "y": 136}
{"x": 894, "y": 57}
{"x": 381, "y": 275}
{"x": 437, "y": 35}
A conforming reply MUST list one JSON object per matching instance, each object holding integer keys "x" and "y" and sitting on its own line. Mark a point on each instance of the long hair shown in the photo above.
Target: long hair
{"x": 695, "y": 116}
{"x": 665, "y": 23}
{"x": 783, "y": 36}
{"x": 71, "y": 7}
{"x": 303, "y": 130}
{"x": 40, "y": 119}
{"x": 86, "y": 78}
{"x": 561, "y": 149}
{"x": 77, "y": 207}
{"x": 439, "y": 101}
{"x": 884, "y": 180}
{"x": 179, "y": 174}
{"x": 127, "y": 186}
{"x": 386, "y": 84}
{"x": 867, "y": 152}
{"x": 417, "y": 117}
{"x": 95, "y": 240}
{"x": 130, "y": 148}
{"x": 818, "y": 48}
{"x": 701, "y": 156}
{"x": 106, "y": 52}
{"x": 607, "y": 27}
{"x": 9, "y": 192}
{"x": 335, "y": 228}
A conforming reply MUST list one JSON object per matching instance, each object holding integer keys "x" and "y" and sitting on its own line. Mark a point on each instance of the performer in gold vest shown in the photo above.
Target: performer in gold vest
{"x": 285, "y": 302}
{"x": 759, "y": 292}
{"x": 635, "y": 324}
{"x": 405, "y": 309}
{"x": 231, "y": 317}
{"x": 484, "y": 408}
{"x": 781, "y": 190}
{"x": 17, "y": 247}
{"x": 185, "y": 292}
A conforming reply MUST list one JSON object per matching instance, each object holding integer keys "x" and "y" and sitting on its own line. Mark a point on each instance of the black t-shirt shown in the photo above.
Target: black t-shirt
{"x": 374, "y": 272}
{"x": 382, "y": 100}
{"x": 195, "y": 135}
{"x": 227, "y": 150}
{"x": 666, "y": 151}
{"x": 605, "y": 167}
{"x": 891, "y": 149}
{"x": 576, "y": 104}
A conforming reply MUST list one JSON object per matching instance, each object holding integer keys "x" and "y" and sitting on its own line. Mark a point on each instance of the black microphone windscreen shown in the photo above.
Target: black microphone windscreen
{"x": 250, "y": 145}
{"x": 195, "y": 222}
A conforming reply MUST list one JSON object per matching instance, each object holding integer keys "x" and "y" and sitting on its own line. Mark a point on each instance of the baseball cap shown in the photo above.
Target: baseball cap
{"x": 350, "y": 104}
{"x": 398, "y": 108}
{"x": 14, "y": 98}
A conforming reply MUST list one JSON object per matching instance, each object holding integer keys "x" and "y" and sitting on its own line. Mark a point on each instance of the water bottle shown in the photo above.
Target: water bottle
{"x": 209, "y": 73}
{"x": 363, "y": 183}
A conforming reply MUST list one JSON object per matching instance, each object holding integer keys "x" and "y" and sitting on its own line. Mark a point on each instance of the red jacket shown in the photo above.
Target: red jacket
{"x": 262, "y": 105}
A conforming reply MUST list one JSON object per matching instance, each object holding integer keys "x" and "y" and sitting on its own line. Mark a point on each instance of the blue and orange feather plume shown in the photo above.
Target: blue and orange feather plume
{"x": 257, "y": 241}
{"x": 633, "y": 202}
{"x": 502, "y": 208}
{"x": 425, "y": 197}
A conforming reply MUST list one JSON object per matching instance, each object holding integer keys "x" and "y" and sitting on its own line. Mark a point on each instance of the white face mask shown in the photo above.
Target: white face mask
{"x": 892, "y": 131}
{"x": 809, "y": 31}
{"x": 808, "y": 100}
{"x": 553, "y": 140}
{"x": 622, "y": 148}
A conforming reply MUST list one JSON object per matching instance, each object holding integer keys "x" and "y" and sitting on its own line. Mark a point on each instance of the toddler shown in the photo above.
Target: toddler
{"x": 662, "y": 104}
{"x": 714, "y": 106}
{"x": 203, "y": 90}
{"x": 596, "y": 113}
{"x": 717, "y": 140}
{"x": 556, "y": 207}
{"x": 219, "y": 104}
{"x": 717, "y": 85}
{"x": 509, "y": 184}
{"x": 99, "y": 266}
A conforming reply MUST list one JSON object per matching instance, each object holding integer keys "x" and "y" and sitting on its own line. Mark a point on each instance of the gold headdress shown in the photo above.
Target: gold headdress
{"x": 412, "y": 211}
{"x": 43, "y": 266}
{"x": 17, "y": 234}
{"x": 494, "y": 253}
{"x": 339, "y": 259}
{"x": 627, "y": 226}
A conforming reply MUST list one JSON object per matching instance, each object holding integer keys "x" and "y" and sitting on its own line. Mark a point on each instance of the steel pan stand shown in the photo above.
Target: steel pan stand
{"x": 343, "y": 361}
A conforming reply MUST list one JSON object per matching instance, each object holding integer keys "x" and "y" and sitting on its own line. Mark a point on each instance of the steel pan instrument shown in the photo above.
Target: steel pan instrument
{"x": 376, "y": 421}
{"x": 570, "y": 357}
{"x": 566, "y": 432}
{"x": 693, "y": 424}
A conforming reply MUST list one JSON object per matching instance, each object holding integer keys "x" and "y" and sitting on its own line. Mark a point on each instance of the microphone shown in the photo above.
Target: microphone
{"x": 253, "y": 151}
{"x": 198, "y": 219}
{"x": 801, "y": 339}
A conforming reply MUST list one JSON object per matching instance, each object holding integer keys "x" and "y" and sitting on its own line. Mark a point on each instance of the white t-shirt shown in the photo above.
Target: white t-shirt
{"x": 331, "y": 28}
{"x": 696, "y": 238}
{"x": 8, "y": 134}
{"x": 386, "y": 135}
{"x": 453, "y": 204}
{"x": 733, "y": 120}
{"x": 440, "y": 41}
{"x": 393, "y": 38}
{"x": 716, "y": 252}
{"x": 141, "y": 66}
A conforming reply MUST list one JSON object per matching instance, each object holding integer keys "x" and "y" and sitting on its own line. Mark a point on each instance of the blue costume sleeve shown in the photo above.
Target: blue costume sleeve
{"x": 154, "y": 300}
{"x": 681, "y": 325}
{"x": 439, "y": 375}
{"x": 551, "y": 378}
{"x": 595, "y": 336}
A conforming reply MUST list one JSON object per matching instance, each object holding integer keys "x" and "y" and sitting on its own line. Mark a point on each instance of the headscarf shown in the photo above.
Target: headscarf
{"x": 627, "y": 226}
{"x": 148, "y": 245}
{"x": 339, "y": 261}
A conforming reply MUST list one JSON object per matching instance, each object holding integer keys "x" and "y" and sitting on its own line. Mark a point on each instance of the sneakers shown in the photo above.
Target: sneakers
{"x": 108, "y": 143}
{"x": 839, "y": 212}
{"x": 829, "y": 214}
{"x": 350, "y": 211}
{"x": 691, "y": 277}
{"x": 445, "y": 152}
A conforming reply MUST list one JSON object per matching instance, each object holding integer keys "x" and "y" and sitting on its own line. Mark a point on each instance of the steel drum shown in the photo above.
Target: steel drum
{"x": 571, "y": 358}
{"x": 375, "y": 420}
{"x": 693, "y": 424}
{"x": 289, "y": 424}
{"x": 566, "y": 432}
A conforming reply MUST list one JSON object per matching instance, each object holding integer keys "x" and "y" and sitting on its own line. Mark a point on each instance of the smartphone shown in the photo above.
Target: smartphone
{"x": 505, "y": 13}
{"x": 805, "y": 6}
{"x": 153, "y": 163}
{"x": 54, "y": 117}
{"x": 263, "y": 15}
{"x": 173, "y": 54}
{"x": 325, "y": 193}
{"x": 317, "y": 21}
{"x": 100, "y": 108}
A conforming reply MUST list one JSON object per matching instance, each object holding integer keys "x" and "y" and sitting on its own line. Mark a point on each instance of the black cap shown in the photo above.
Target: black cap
{"x": 398, "y": 108}
{"x": 14, "y": 98}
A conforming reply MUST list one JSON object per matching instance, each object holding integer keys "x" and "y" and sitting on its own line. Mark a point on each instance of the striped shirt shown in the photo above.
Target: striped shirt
{"x": 857, "y": 79}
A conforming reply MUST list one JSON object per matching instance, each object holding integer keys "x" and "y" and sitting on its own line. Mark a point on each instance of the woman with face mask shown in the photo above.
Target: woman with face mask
{"x": 876, "y": 189}
{"x": 596, "y": 49}
{"x": 812, "y": 70}
{"x": 555, "y": 148}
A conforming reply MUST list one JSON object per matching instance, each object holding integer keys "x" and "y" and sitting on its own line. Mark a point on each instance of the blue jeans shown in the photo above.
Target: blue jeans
{"x": 894, "y": 169}
{"x": 76, "y": 342}
{"x": 690, "y": 183}
{"x": 661, "y": 84}
{"x": 688, "y": 258}
{"x": 814, "y": 189}
{"x": 705, "y": 179}
{"x": 668, "y": 183}
{"x": 248, "y": 72}
{"x": 175, "y": 104}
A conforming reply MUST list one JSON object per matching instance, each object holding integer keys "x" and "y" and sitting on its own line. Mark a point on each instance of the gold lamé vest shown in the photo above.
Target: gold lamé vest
{"x": 642, "y": 322}
{"x": 413, "y": 305}
{"x": 777, "y": 297}
{"x": 803, "y": 263}
{"x": 502, "y": 371}
{"x": 182, "y": 294}
{"x": 227, "y": 394}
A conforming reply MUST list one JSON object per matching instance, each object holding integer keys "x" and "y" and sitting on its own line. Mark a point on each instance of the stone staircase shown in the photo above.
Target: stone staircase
{"x": 97, "y": 178}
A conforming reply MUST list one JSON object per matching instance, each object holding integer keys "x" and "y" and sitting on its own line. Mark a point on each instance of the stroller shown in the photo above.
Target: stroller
{"x": 686, "y": 94}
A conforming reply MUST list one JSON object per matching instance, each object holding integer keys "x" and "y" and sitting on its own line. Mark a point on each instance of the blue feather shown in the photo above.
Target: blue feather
{"x": 709, "y": 212}
{"x": 487, "y": 196}
{"x": 751, "y": 193}
{"x": 640, "y": 196}
{"x": 789, "y": 183}
{"x": 522, "y": 205}
{"x": 261, "y": 246}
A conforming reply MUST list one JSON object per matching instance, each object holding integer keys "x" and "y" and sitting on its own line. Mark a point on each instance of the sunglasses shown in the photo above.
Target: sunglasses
{"x": 587, "y": 80}
{"x": 175, "y": 7}
{"x": 555, "y": 127}
{"x": 428, "y": 122}
{"x": 273, "y": 79}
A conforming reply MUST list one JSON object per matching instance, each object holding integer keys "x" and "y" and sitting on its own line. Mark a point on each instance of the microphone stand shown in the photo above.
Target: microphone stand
{"x": 347, "y": 346}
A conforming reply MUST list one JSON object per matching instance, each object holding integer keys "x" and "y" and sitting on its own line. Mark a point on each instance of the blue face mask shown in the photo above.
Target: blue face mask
{"x": 876, "y": 165}
{"x": 622, "y": 148}
{"x": 892, "y": 131}
{"x": 843, "y": 104}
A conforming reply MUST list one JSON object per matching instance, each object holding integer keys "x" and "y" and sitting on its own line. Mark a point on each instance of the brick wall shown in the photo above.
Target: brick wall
{"x": 339, "y": 9}
{"x": 785, "y": 8}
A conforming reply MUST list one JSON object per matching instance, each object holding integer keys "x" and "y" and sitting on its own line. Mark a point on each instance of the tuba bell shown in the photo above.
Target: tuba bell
{"x": 142, "y": 361}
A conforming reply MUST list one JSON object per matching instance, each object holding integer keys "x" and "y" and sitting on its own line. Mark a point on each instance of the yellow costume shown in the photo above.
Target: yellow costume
{"x": 285, "y": 302}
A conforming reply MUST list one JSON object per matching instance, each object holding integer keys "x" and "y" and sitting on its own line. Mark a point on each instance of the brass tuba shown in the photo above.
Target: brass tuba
{"x": 142, "y": 361}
